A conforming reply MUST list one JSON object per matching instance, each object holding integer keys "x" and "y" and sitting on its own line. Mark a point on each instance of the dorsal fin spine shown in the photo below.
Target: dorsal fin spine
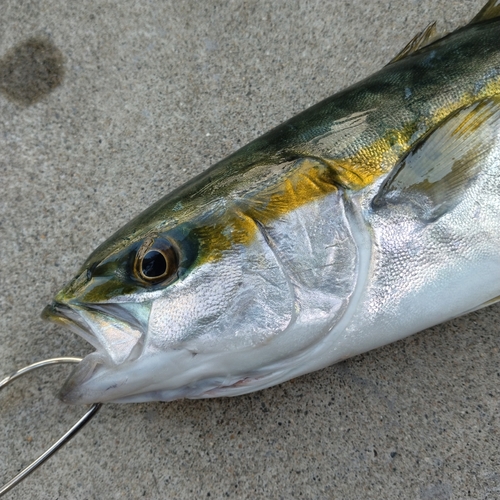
{"x": 428, "y": 35}
{"x": 490, "y": 11}
{"x": 425, "y": 37}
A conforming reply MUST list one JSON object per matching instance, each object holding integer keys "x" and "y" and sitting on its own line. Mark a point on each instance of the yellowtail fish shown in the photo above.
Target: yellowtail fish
{"x": 366, "y": 218}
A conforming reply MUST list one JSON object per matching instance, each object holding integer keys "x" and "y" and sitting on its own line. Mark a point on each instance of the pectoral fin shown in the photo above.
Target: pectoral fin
{"x": 433, "y": 176}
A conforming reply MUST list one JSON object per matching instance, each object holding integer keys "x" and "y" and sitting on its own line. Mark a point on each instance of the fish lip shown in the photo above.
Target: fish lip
{"x": 86, "y": 321}
{"x": 62, "y": 314}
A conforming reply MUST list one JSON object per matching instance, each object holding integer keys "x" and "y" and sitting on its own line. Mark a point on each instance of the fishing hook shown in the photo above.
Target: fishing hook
{"x": 63, "y": 439}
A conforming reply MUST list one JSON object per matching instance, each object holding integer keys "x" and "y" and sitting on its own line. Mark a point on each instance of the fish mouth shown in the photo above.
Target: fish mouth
{"x": 135, "y": 378}
{"x": 112, "y": 329}
{"x": 116, "y": 332}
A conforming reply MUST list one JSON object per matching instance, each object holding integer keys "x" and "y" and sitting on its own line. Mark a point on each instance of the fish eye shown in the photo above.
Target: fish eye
{"x": 156, "y": 262}
{"x": 154, "y": 265}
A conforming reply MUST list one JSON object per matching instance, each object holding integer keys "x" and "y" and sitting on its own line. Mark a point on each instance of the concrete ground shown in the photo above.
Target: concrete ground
{"x": 135, "y": 98}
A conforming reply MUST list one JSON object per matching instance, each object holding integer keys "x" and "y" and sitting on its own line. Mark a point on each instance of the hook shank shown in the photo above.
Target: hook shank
{"x": 63, "y": 439}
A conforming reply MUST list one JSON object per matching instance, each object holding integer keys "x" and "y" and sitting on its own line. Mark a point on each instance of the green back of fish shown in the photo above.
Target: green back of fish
{"x": 352, "y": 138}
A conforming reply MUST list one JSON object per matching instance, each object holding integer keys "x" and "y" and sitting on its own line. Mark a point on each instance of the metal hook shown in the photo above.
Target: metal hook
{"x": 63, "y": 439}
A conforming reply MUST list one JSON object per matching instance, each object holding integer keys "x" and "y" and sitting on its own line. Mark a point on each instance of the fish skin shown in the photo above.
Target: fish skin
{"x": 285, "y": 263}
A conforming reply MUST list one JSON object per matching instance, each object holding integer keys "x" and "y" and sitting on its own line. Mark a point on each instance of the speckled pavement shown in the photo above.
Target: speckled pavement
{"x": 133, "y": 99}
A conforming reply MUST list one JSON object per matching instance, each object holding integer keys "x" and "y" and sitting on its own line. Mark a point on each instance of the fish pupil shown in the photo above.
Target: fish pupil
{"x": 154, "y": 264}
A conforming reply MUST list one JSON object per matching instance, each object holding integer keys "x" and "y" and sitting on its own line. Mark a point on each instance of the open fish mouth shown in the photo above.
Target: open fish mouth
{"x": 117, "y": 372}
{"x": 112, "y": 329}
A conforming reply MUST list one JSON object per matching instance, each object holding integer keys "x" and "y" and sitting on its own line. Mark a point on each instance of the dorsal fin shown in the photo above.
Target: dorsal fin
{"x": 489, "y": 11}
{"x": 425, "y": 37}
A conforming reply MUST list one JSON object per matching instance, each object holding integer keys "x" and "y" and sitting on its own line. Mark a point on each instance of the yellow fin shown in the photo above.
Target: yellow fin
{"x": 433, "y": 176}
{"x": 425, "y": 37}
{"x": 489, "y": 11}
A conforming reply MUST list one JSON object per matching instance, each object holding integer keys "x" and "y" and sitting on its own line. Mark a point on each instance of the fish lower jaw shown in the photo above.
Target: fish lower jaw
{"x": 96, "y": 379}
{"x": 161, "y": 375}
{"x": 177, "y": 374}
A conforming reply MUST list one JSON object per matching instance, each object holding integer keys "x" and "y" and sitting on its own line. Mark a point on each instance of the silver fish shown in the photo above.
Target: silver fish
{"x": 364, "y": 219}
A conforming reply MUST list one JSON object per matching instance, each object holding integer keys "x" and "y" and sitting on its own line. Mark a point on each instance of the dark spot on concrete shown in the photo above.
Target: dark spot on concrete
{"x": 31, "y": 70}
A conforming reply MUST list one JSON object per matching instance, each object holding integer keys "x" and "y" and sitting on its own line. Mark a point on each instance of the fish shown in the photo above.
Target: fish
{"x": 362, "y": 220}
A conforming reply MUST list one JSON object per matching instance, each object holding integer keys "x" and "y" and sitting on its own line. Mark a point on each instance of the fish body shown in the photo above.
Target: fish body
{"x": 366, "y": 218}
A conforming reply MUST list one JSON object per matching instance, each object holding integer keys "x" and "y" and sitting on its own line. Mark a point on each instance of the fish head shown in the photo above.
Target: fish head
{"x": 212, "y": 291}
{"x": 174, "y": 309}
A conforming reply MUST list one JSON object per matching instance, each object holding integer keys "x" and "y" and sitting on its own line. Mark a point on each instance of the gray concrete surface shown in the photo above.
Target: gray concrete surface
{"x": 152, "y": 93}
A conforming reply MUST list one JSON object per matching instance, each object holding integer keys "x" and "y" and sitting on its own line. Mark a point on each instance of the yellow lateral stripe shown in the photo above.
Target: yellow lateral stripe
{"x": 313, "y": 179}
